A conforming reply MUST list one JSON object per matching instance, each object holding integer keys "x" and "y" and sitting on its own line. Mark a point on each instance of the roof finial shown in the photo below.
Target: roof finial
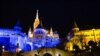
{"x": 37, "y": 15}
{"x": 30, "y": 35}
{"x": 51, "y": 32}
{"x": 75, "y": 25}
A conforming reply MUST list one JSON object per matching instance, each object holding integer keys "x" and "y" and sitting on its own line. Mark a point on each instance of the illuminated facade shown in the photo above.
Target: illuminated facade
{"x": 37, "y": 23}
{"x": 42, "y": 41}
{"x": 13, "y": 40}
{"x": 82, "y": 37}
{"x": 40, "y": 37}
{"x": 10, "y": 38}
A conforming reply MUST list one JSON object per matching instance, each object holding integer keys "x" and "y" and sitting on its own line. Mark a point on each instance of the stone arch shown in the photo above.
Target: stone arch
{"x": 59, "y": 54}
{"x": 30, "y": 44}
{"x": 27, "y": 47}
{"x": 35, "y": 54}
{"x": 47, "y": 54}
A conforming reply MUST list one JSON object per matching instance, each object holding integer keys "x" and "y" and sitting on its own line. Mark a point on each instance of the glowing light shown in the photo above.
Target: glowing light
{"x": 37, "y": 21}
{"x": 10, "y": 38}
{"x": 87, "y": 35}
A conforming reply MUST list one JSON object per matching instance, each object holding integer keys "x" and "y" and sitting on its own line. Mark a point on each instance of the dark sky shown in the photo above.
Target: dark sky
{"x": 59, "y": 15}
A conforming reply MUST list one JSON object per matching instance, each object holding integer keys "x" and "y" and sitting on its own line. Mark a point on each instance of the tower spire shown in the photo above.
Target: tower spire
{"x": 37, "y": 15}
{"x": 37, "y": 21}
{"x": 51, "y": 32}
{"x": 30, "y": 33}
{"x": 75, "y": 29}
{"x": 75, "y": 25}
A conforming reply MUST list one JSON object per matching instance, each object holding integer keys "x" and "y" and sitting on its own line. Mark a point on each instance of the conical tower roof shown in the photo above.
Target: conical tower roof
{"x": 75, "y": 29}
{"x": 51, "y": 31}
{"x": 75, "y": 25}
{"x": 17, "y": 26}
{"x": 37, "y": 15}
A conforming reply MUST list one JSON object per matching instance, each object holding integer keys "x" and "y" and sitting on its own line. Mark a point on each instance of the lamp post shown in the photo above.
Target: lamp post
{"x": 94, "y": 34}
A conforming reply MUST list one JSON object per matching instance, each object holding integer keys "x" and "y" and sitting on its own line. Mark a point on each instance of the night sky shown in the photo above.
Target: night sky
{"x": 59, "y": 15}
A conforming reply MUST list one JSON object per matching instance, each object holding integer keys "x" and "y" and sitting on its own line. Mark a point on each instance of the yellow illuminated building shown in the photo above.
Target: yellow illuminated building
{"x": 82, "y": 37}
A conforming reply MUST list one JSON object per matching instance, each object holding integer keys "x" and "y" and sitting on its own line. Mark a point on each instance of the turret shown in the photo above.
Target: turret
{"x": 30, "y": 33}
{"x": 75, "y": 29}
{"x": 51, "y": 32}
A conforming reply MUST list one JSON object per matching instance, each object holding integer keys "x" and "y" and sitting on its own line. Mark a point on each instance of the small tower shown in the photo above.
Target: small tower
{"x": 30, "y": 33}
{"x": 51, "y": 32}
{"x": 37, "y": 21}
{"x": 75, "y": 29}
{"x": 72, "y": 31}
{"x": 17, "y": 26}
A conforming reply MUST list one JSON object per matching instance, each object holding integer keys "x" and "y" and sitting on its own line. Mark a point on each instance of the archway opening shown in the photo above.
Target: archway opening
{"x": 47, "y": 54}
{"x": 35, "y": 55}
{"x": 59, "y": 55}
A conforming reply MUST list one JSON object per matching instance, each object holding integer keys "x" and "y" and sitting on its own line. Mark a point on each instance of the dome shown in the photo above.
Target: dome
{"x": 39, "y": 32}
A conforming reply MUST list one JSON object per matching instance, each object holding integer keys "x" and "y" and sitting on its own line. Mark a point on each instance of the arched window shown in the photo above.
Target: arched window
{"x": 47, "y": 54}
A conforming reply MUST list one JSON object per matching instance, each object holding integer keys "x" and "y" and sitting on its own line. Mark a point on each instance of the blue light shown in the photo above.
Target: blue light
{"x": 10, "y": 38}
{"x": 41, "y": 40}
{"x": 46, "y": 42}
